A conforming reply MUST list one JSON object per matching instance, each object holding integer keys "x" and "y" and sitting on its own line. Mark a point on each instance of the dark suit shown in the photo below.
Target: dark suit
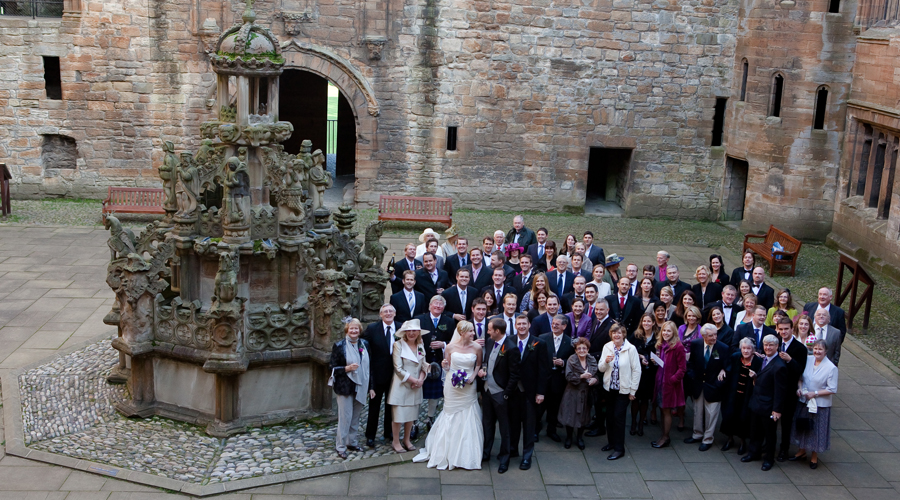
{"x": 740, "y": 274}
{"x": 713, "y": 294}
{"x": 538, "y": 262}
{"x": 451, "y": 265}
{"x": 509, "y": 331}
{"x": 628, "y": 317}
{"x": 735, "y": 309}
{"x": 495, "y": 406}
{"x": 451, "y": 295}
{"x": 765, "y": 296}
{"x": 552, "y": 282}
{"x": 429, "y": 288}
{"x": 400, "y": 266}
{"x": 526, "y": 237}
{"x": 599, "y": 337}
{"x": 746, "y": 330}
{"x": 484, "y": 277}
{"x": 770, "y": 391}
{"x": 522, "y": 285}
{"x": 795, "y": 367}
{"x": 534, "y": 373}
{"x": 505, "y": 290}
{"x": 381, "y": 369}
{"x": 680, "y": 287}
{"x": 596, "y": 255}
{"x": 837, "y": 316}
{"x": 442, "y": 333}
{"x": 556, "y": 382}
{"x": 398, "y": 300}
{"x": 541, "y": 325}
{"x": 705, "y": 375}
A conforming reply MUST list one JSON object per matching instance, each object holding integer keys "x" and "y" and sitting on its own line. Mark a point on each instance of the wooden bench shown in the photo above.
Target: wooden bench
{"x": 416, "y": 209}
{"x": 134, "y": 201}
{"x": 781, "y": 262}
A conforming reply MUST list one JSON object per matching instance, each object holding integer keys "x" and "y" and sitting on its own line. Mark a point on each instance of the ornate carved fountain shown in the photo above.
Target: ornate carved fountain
{"x": 227, "y": 312}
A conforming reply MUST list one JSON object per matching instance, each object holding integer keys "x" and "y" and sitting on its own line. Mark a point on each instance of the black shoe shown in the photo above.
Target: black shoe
{"x": 782, "y": 456}
{"x": 342, "y": 454}
{"x": 354, "y": 448}
{"x": 742, "y": 449}
{"x": 370, "y": 443}
{"x": 485, "y": 458}
{"x": 568, "y": 443}
{"x": 616, "y": 455}
{"x": 767, "y": 466}
{"x": 748, "y": 458}
{"x": 554, "y": 437}
{"x": 607, "y": 447}
{"x": 813, "y": 465}
{"x": 514, "y": 454}
{"x": 633, "y": 429}
{"x": 728, "y": 444}
{"x": 429, "y": 423}
{"x": 503, "y": 468}
{"x": 691, "y": 440}
{"x": 656, "y": 444}
{"x": 640, "y": 429}
{"x": 525, "y": 465}
{"x": 705, "y": 446}
{"x": 797, "y": 458}
{"x": 580, "y": 444}
{"x": 595, "y": 432}
{"x": 414, "y": 434}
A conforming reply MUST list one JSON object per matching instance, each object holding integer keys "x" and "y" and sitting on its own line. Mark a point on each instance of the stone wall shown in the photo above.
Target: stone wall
{"x": 792, "y": 167}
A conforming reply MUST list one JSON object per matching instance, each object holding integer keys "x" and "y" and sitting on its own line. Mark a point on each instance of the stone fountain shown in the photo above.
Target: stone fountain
{"x": 227, "y": 312}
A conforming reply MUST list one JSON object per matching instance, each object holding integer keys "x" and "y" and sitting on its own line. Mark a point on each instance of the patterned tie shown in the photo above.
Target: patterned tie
{"x": 412, "y": 302}
{"x": 521, "y": 346}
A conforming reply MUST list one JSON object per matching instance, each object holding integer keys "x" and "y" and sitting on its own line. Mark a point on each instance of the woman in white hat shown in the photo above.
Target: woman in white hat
{"x": 428, "y": 234}
{"x": 406, "y": 386}
{"x": 449, "y": 246}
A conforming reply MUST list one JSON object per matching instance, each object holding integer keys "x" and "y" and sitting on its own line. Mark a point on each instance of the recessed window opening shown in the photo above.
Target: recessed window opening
{"x": 718, "y": 121}
{"x": 777, "y": 93}
{"x": 834, "y": 6}
{"x": 821, "y": 103}
{"x": 451, "y": 138}
{"x": 52, "y": 78}
{"x": 746, "y": 70}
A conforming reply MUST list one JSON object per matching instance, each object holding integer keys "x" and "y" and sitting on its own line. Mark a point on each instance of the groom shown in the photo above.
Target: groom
{"x": 501, "y": 378}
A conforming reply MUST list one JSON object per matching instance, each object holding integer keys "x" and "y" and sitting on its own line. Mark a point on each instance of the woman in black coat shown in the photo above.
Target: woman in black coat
{"x": 352, "y": 385}
{"x": 735, "y": 409}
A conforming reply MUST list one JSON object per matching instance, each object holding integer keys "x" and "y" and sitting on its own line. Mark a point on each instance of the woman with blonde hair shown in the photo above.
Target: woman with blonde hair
{"x": 669, "y": 386}
{"x": 538, "y": 284}
{"x": 406, "y": 386}
{"x": 351, "y": 384}
{"x": 706, "y": 290}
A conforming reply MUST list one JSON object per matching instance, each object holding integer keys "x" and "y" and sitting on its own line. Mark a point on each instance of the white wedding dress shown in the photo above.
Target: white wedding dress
{"x": 457, "y": 439}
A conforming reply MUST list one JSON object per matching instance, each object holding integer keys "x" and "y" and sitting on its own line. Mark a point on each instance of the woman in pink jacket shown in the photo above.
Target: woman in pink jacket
{"x": 669, "y": 387}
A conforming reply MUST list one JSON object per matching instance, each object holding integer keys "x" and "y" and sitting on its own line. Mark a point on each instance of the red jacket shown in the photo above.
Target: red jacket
{"x": 672, "y": 376}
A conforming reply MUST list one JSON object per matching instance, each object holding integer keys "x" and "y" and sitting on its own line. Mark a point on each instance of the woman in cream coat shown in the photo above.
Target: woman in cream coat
{"x": 406, "y": 386}
{"x": 621, "y": 367}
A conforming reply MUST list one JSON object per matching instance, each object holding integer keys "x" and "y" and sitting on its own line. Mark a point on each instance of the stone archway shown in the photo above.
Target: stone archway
{"x": 355, "y": 89}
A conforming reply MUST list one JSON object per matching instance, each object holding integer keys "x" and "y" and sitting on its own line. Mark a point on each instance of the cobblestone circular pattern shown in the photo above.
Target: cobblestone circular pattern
{"x": 68, "y": 409}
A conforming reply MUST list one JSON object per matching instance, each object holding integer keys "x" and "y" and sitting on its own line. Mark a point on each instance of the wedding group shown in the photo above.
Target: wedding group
{"x": 561, "y": 342}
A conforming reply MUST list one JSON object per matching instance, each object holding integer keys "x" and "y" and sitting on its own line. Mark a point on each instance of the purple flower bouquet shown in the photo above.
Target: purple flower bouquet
{"x": 459, "y": 379}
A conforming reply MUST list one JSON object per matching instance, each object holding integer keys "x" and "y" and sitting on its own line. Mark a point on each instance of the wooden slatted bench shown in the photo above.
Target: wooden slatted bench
{"x": 416, "y": 209}
{"x": 134, "y": 201}
{"x": 781, "y": 262}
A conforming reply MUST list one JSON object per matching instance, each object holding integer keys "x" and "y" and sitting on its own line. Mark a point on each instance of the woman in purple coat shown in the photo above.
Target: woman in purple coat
{"x": 669, "y": 387}
{"x": 580, "y": 319}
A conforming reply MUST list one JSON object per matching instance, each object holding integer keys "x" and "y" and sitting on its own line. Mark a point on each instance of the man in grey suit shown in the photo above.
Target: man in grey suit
{"x": 832, "y": 336}
{"x": 823, "y": 301}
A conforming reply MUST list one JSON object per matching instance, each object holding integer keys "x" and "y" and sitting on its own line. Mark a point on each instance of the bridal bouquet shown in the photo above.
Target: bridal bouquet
{"x": 459, "y": 379}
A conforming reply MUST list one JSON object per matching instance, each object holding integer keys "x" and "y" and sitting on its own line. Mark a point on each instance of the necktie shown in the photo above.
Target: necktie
{"x": 412, "y": 301}
{"x": 621, "y": 303}
{"x": 509, "y": 320}
{"x": 499, "y": 297}
{"x": 706, "y": 355}
{"x": 435, "y": 321}
{"x": 387, "y": 335}
{"x": 521, "y": 346}
{"x": 559, "y": 284}
{"x": 462, "y": 298}
{"x": 765, "y": 362}
{"x": 540, "y": 251}
{"x": 462, "y": 262}
{"x": 475, "y": 274}
{"x": 479, "y": 329}
{"x": 434, "y": 277}
{"x": 784, "y": 347}
{"x": 756, "y": 331}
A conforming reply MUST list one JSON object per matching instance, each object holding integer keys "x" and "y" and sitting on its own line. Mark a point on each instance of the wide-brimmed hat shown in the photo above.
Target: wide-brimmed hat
{"x": 613, "y": 259}
{"x": 452, "y": 231}
{"x": 410, "y": 325}
{"x": 512, "y": 247}
{"x": 428, "y": 232}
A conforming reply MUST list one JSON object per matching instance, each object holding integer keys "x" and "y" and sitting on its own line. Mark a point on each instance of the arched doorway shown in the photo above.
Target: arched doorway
{"x": 319, "y": 112}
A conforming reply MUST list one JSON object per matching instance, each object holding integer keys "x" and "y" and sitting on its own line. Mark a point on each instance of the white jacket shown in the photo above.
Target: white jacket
{"x": 629, "y": 367}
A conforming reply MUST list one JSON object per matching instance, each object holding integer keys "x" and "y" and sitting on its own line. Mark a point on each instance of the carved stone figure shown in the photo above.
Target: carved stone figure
{"x": 226, "y": 279}
{"x": 237, "y": 186}
{"x": 121, "y": 240}
{"x": 329, "y": 305}
{"x": 167, "y": 174}
{"x": 187, "y": 187}
{"x": 373, "y": 251}
{"x": 320, "y": 178}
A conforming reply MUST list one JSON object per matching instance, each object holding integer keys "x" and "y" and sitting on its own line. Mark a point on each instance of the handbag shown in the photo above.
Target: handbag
{"x": 331, "y": 379}
{"x": 802, "y": 420}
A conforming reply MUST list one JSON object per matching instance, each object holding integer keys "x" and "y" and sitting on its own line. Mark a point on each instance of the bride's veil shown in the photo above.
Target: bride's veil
{"x": 464, "y": 326}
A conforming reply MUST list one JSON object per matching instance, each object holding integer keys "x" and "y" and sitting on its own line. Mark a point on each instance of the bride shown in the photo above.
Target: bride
{"x": 457, "y": 439}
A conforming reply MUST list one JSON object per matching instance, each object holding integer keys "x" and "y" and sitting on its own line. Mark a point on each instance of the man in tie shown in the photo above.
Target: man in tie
{"x": 794, "y": 356}
{"x": 522, "y": 281}
{"x": 541, "y": 323}
{"x": 460, "y": 296}
{"x": 509, "y": 313}
{"x": 590, "y": 297}
{"x": 457, "y": 261}
{"x": 707, "y": 367}
{"x": 431, "y": 280}
{"x": 380, "y": 337}
{"x": 500, "y": 373}
{"x": 770, "y": 391}
{"x": 599, "y": 337}
{"x": 832, "y": 336}
{"x": 835, "y": 313}
{"x": 577, "y": 266}
{"x": 625, "y": 308}
{"x": 756, "y": 330}
{"x": 520, "y": 234}
{"x": 560, "y": 349}
{"x": 673, "y": 281}
{"x": 631, "y": 272}
{"x": 593, "y": 252}
{"x": 479, "y": 319}
{"x": 536, "y": 250}
{"x": 441, "y": 327}
{"x": 534, "y": 373}
{"x": 408, "y": 263}
{"x": 729, "y": 308}
{"x": 480, "y": 274}
{"x": 498, "y": 261}
{"x": 499, "y": 288}
{"x": 765, "y": 295}
{"x": 578, "y": 286}
{"x": 408, "y": 302}
{"x": 744, "y": 273}
{"x": 662, "y": 266}
{"x": 560, "y": 279}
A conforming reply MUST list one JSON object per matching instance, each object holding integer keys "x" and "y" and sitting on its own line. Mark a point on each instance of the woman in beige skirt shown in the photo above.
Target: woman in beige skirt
{"x": 406, "y": 386}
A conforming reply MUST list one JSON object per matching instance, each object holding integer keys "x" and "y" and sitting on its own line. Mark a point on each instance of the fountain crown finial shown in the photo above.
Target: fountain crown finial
{"x": 249, "y": 15}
